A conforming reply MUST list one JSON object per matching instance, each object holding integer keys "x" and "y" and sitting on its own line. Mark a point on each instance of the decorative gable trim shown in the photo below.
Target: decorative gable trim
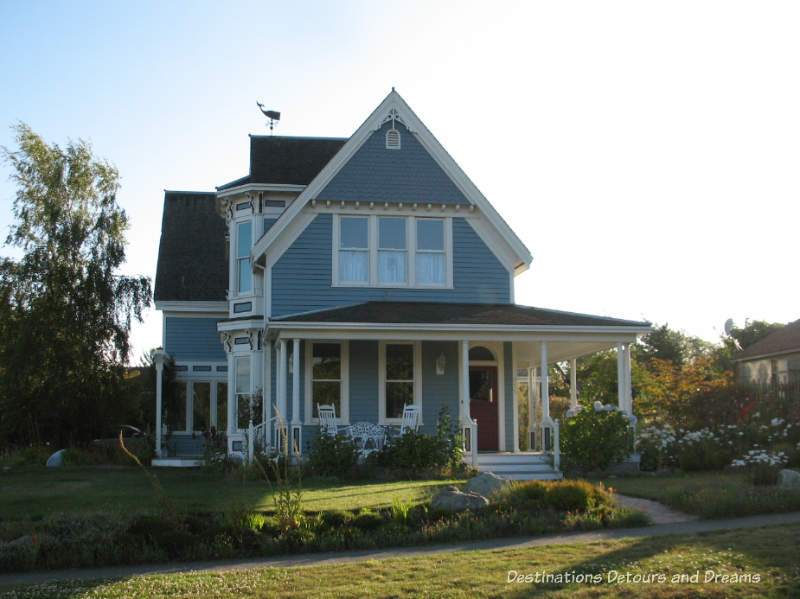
{"x": 394, "y": 107}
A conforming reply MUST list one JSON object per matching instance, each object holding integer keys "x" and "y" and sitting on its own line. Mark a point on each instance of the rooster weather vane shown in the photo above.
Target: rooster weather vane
{"x": 272, "y": 115}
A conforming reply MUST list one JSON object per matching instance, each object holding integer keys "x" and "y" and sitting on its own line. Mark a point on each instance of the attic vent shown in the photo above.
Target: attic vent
{"x": 392, "y": 139}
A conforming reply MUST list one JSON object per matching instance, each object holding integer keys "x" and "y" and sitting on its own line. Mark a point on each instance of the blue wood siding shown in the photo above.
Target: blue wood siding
{"x": 301, "y": 278}
{"x": 408, "y": 175}
{"x": 268, "y": 222}
{"x": 510, "y": 390}
{"x": 193, "y": 339}
{"x": 364, "y": 381}
{"x": 439, "y": 391}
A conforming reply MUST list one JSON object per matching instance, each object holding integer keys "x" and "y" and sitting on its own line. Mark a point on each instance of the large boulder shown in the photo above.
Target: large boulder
{"x": 56, "y": 460}
{"x": 789, "y": 479}
{"x": 486, "y": 484}
{"x": 453, "y": 500}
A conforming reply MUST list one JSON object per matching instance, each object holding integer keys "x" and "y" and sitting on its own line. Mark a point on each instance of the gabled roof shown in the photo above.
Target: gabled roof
{"x": 785, "y": 340}
{"x": 442, "y": 313}
{"x": 286, "y": 160}
{"x": 394, "y": 104}
{"x": 192, "y": 265}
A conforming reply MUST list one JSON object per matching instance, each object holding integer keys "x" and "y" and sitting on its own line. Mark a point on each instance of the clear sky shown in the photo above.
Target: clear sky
{"x": 647, "y": 153}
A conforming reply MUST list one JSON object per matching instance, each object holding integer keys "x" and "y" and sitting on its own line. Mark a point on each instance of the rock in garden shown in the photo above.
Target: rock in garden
{"x": 789, "y": 479}
{"x": 455, "y": 501}
{"x": 486, "y": 484}
{"x": 56, "y": 460}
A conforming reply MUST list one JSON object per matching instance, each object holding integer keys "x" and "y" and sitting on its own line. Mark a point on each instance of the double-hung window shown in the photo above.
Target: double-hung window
{"x": 430, "y": 254}
{"x": 392, "y": 251}
{"x": 354, "y": 249}
{"x": 244, "y": 276}
{"x": 243, "y": 392}
{"x": 399, "y": 379}
{"x": 326, "y": 369}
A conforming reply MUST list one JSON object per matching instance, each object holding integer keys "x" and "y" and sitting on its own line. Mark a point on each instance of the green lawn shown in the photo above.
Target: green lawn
{"x": 768, "y": 553}
{"x": 709, "y": 494}
{"x": 37, "y": 492}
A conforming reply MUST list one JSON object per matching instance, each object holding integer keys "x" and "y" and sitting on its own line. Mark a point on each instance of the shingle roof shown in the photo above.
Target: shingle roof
{"x": 192, "y": 265}
{"x": 455, "y": 314}
{"x": 291, "y": 160}
{"x": 781, "y": 341}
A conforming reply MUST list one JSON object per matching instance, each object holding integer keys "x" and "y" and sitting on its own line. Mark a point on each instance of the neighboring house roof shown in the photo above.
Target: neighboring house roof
{"x": 454, "y": 314}
{"x": 192, "y": 263}
{"x": 287, "y": 160}
{"x": 785, "y": 340}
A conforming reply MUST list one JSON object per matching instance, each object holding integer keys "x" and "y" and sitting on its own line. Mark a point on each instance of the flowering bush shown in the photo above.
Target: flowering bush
{"x": 715, "y": 448}
{"x": 763, "y": 465}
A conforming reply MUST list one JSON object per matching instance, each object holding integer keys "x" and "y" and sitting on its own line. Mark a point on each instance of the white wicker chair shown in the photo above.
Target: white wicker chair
{"x": 368, "y": 436}
{"x": 327, "y": 419}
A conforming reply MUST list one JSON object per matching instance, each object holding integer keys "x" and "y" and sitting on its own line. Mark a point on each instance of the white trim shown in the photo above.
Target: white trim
{"x": 417, "y": 381}
{"x": 205, "y": 306}
{"x": 219, "y": 315}
{"x": 287, "y": 187}
{"x": 434, "y": 148}
{"x": 241, "y": 325}
{"x": 344, "y": 388}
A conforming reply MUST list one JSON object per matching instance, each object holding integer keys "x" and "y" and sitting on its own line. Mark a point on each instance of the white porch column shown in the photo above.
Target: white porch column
{"x": 547, "y": 422}
{"x": 531, "y": 409}
{"x": 621, "y": 393}
{"x": 465, "y": 380}
{"x": 628, "y": 382}
{"x": 573, "y": 384}
{"x": 266, "y": 406}
{"x": 159, "y": 357}
{"x": 296, "y": 441}
{"x": 282, "y": 403}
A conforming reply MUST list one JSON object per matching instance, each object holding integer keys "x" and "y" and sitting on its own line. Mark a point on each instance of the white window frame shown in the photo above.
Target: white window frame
{"x": 344, "y": 382}
{"x": 337, "y": 248}
{"x": 411, "y": 252}
{"x": 416, "y": 386}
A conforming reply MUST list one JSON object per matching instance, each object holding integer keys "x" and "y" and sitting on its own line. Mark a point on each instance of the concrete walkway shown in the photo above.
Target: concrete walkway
{"x": 658, "y": 512}
{"x": 316, "y": 559}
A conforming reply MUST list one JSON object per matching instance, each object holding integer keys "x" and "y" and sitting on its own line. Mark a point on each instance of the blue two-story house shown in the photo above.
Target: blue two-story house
{"x": 367, "y": 273}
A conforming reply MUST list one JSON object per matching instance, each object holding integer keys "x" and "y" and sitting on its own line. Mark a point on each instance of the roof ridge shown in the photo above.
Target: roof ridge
{"x": 323, "y": 138}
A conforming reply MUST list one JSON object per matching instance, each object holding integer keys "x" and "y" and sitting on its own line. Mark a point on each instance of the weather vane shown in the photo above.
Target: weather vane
{"x": 272, "y": 115}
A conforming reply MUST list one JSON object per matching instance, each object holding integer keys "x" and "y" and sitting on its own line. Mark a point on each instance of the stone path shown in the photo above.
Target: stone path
{"x": 316, "y": 559}
{"x": 658, "y": 512}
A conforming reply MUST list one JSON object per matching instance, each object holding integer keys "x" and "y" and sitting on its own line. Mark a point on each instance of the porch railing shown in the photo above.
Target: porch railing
{"x": 470, "y": 441}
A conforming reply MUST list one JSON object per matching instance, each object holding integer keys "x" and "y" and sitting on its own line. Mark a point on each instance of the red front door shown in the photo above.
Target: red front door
{"x": 483, "y": 404}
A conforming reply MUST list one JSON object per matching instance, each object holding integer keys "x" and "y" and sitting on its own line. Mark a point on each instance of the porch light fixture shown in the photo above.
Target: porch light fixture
{"x": 441, "y": 362}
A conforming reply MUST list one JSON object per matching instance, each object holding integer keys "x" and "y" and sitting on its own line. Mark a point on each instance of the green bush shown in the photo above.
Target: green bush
{"x": 333, "y": 455}
{"x": 561, "y": 496}
{"x": 414, "y": 453}
{"x": 592, "y": 441}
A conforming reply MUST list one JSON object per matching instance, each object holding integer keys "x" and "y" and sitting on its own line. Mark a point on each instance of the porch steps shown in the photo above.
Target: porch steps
{"x": 518, "y": 466}
{"x": 186, "y": 462}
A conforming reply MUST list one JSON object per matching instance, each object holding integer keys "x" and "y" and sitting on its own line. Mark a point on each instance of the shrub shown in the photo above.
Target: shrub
{"x": 562, "y": 496}
{"x": 593, "y": 441}
{"x": 368, "y": 520}
{"x": 763, "y": 466}
{"x": 333, "y": 455}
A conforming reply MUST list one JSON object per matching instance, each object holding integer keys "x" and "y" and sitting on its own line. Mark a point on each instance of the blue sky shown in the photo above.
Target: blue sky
{"x": 646, "y": 153}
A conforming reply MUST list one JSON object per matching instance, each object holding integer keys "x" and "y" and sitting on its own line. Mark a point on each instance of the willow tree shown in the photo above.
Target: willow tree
{"x": 65, "y": 310}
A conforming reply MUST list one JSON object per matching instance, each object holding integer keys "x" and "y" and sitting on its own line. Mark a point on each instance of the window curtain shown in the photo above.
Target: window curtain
{"x": 430, "y": 269}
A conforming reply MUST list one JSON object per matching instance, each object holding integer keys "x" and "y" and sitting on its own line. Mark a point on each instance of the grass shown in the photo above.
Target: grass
{"x": 770, "y": 553}
{"x": 35, "y": 492}
{"x": 709, "y": 494}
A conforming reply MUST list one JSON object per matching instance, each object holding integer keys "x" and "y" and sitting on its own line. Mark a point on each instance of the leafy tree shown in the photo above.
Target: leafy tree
{"x": 65, "y": 312}
{"x": 671, "y": 345}
{"x": 753, "y": 331}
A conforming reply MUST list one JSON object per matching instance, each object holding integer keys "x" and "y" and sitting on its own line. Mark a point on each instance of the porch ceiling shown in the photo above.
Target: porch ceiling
{"x": 529, "y": 353}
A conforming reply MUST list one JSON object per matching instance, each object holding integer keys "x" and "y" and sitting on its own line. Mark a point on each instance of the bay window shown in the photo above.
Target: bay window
{"x": 243, "y": 392}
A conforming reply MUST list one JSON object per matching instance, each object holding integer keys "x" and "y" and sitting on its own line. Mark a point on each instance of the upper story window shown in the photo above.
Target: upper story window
{"x": 392, "y": 251}
{"x": 354, "y": 250}
{"x": 244, "y": 276}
